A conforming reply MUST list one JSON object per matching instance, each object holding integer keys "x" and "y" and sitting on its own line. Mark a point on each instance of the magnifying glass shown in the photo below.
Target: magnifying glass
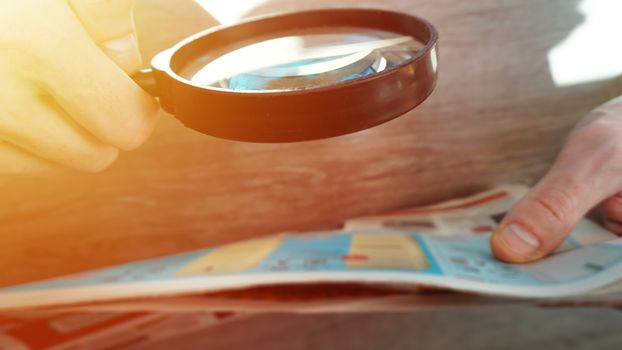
{"x": 296, "y": 77}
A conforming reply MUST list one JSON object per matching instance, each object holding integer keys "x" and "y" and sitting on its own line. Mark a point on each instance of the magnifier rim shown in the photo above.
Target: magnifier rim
{"x": 163, "y": 62}
{"x": 299, "y": 114}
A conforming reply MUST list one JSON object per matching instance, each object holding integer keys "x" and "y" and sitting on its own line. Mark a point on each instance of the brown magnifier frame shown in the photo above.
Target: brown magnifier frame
{"x": 295, "y": 115}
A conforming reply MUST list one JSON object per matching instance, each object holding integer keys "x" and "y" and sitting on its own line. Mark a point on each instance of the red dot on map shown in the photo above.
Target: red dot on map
{"x": 355, "y": 257}
{"x": 482, "y": 229}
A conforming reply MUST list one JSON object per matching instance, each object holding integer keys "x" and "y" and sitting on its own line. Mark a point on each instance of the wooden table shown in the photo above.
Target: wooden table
{"x": 496, "y": 117}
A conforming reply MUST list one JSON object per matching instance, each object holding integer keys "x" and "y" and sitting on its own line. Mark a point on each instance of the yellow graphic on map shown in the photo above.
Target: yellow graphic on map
{"x": 233, "y": 258}
{"x": 390, "y": 251}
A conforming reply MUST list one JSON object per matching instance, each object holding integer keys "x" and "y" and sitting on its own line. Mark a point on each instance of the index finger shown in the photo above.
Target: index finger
{"x": 90, "y": 87}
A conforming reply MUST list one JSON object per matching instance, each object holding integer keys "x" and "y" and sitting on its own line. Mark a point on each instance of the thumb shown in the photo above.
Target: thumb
{"x": 111, "y": 25}
{"x": 585, "y": 173}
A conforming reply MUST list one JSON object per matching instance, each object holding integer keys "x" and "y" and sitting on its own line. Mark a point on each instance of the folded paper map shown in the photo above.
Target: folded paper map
{"x": 443, "y": 246}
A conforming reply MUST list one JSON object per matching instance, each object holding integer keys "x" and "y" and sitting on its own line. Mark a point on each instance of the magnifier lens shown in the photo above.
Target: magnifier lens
{"x": 296, "y": 61}
{"x": 299, "y": 76}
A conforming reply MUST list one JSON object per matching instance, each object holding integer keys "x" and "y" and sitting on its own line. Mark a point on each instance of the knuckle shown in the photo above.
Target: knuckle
{"x": 22, "y": 59}
{"x": 598, "y": 145}
{"x": 558, "y": 204}
{"x": 602, "y": 129}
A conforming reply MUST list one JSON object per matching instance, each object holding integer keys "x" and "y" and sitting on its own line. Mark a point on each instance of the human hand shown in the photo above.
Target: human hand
{"x": 65, "y": 94}
{"x": 586, "y": 174}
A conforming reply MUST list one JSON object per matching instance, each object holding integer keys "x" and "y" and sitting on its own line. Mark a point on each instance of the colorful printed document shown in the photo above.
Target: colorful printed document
{"x": 445, "y": 245}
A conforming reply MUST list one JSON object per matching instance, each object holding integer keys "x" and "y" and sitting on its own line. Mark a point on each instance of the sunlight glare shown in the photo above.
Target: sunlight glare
{"x": 593, "y": 51}
{"x": 229, "y": 11}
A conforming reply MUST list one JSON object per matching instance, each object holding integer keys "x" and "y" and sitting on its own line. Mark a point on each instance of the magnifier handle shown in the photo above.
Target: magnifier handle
{"x": 145, "y": 78}
{"x": 156, "y": 81}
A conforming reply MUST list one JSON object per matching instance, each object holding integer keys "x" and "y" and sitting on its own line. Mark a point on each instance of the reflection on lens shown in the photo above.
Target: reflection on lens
{"x": 304, "y": 61}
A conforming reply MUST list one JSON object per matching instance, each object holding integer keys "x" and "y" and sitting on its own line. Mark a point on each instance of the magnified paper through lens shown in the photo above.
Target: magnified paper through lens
{"x": 303, "y": 61}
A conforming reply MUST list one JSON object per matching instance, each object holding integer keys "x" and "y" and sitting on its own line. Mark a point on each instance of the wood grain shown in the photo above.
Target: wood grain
{"x": 496, "y": 117}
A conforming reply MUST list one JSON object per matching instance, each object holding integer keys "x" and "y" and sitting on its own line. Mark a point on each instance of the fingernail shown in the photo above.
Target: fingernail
{"x": 124, "y": 51}
{"x": 520, "y": 240}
